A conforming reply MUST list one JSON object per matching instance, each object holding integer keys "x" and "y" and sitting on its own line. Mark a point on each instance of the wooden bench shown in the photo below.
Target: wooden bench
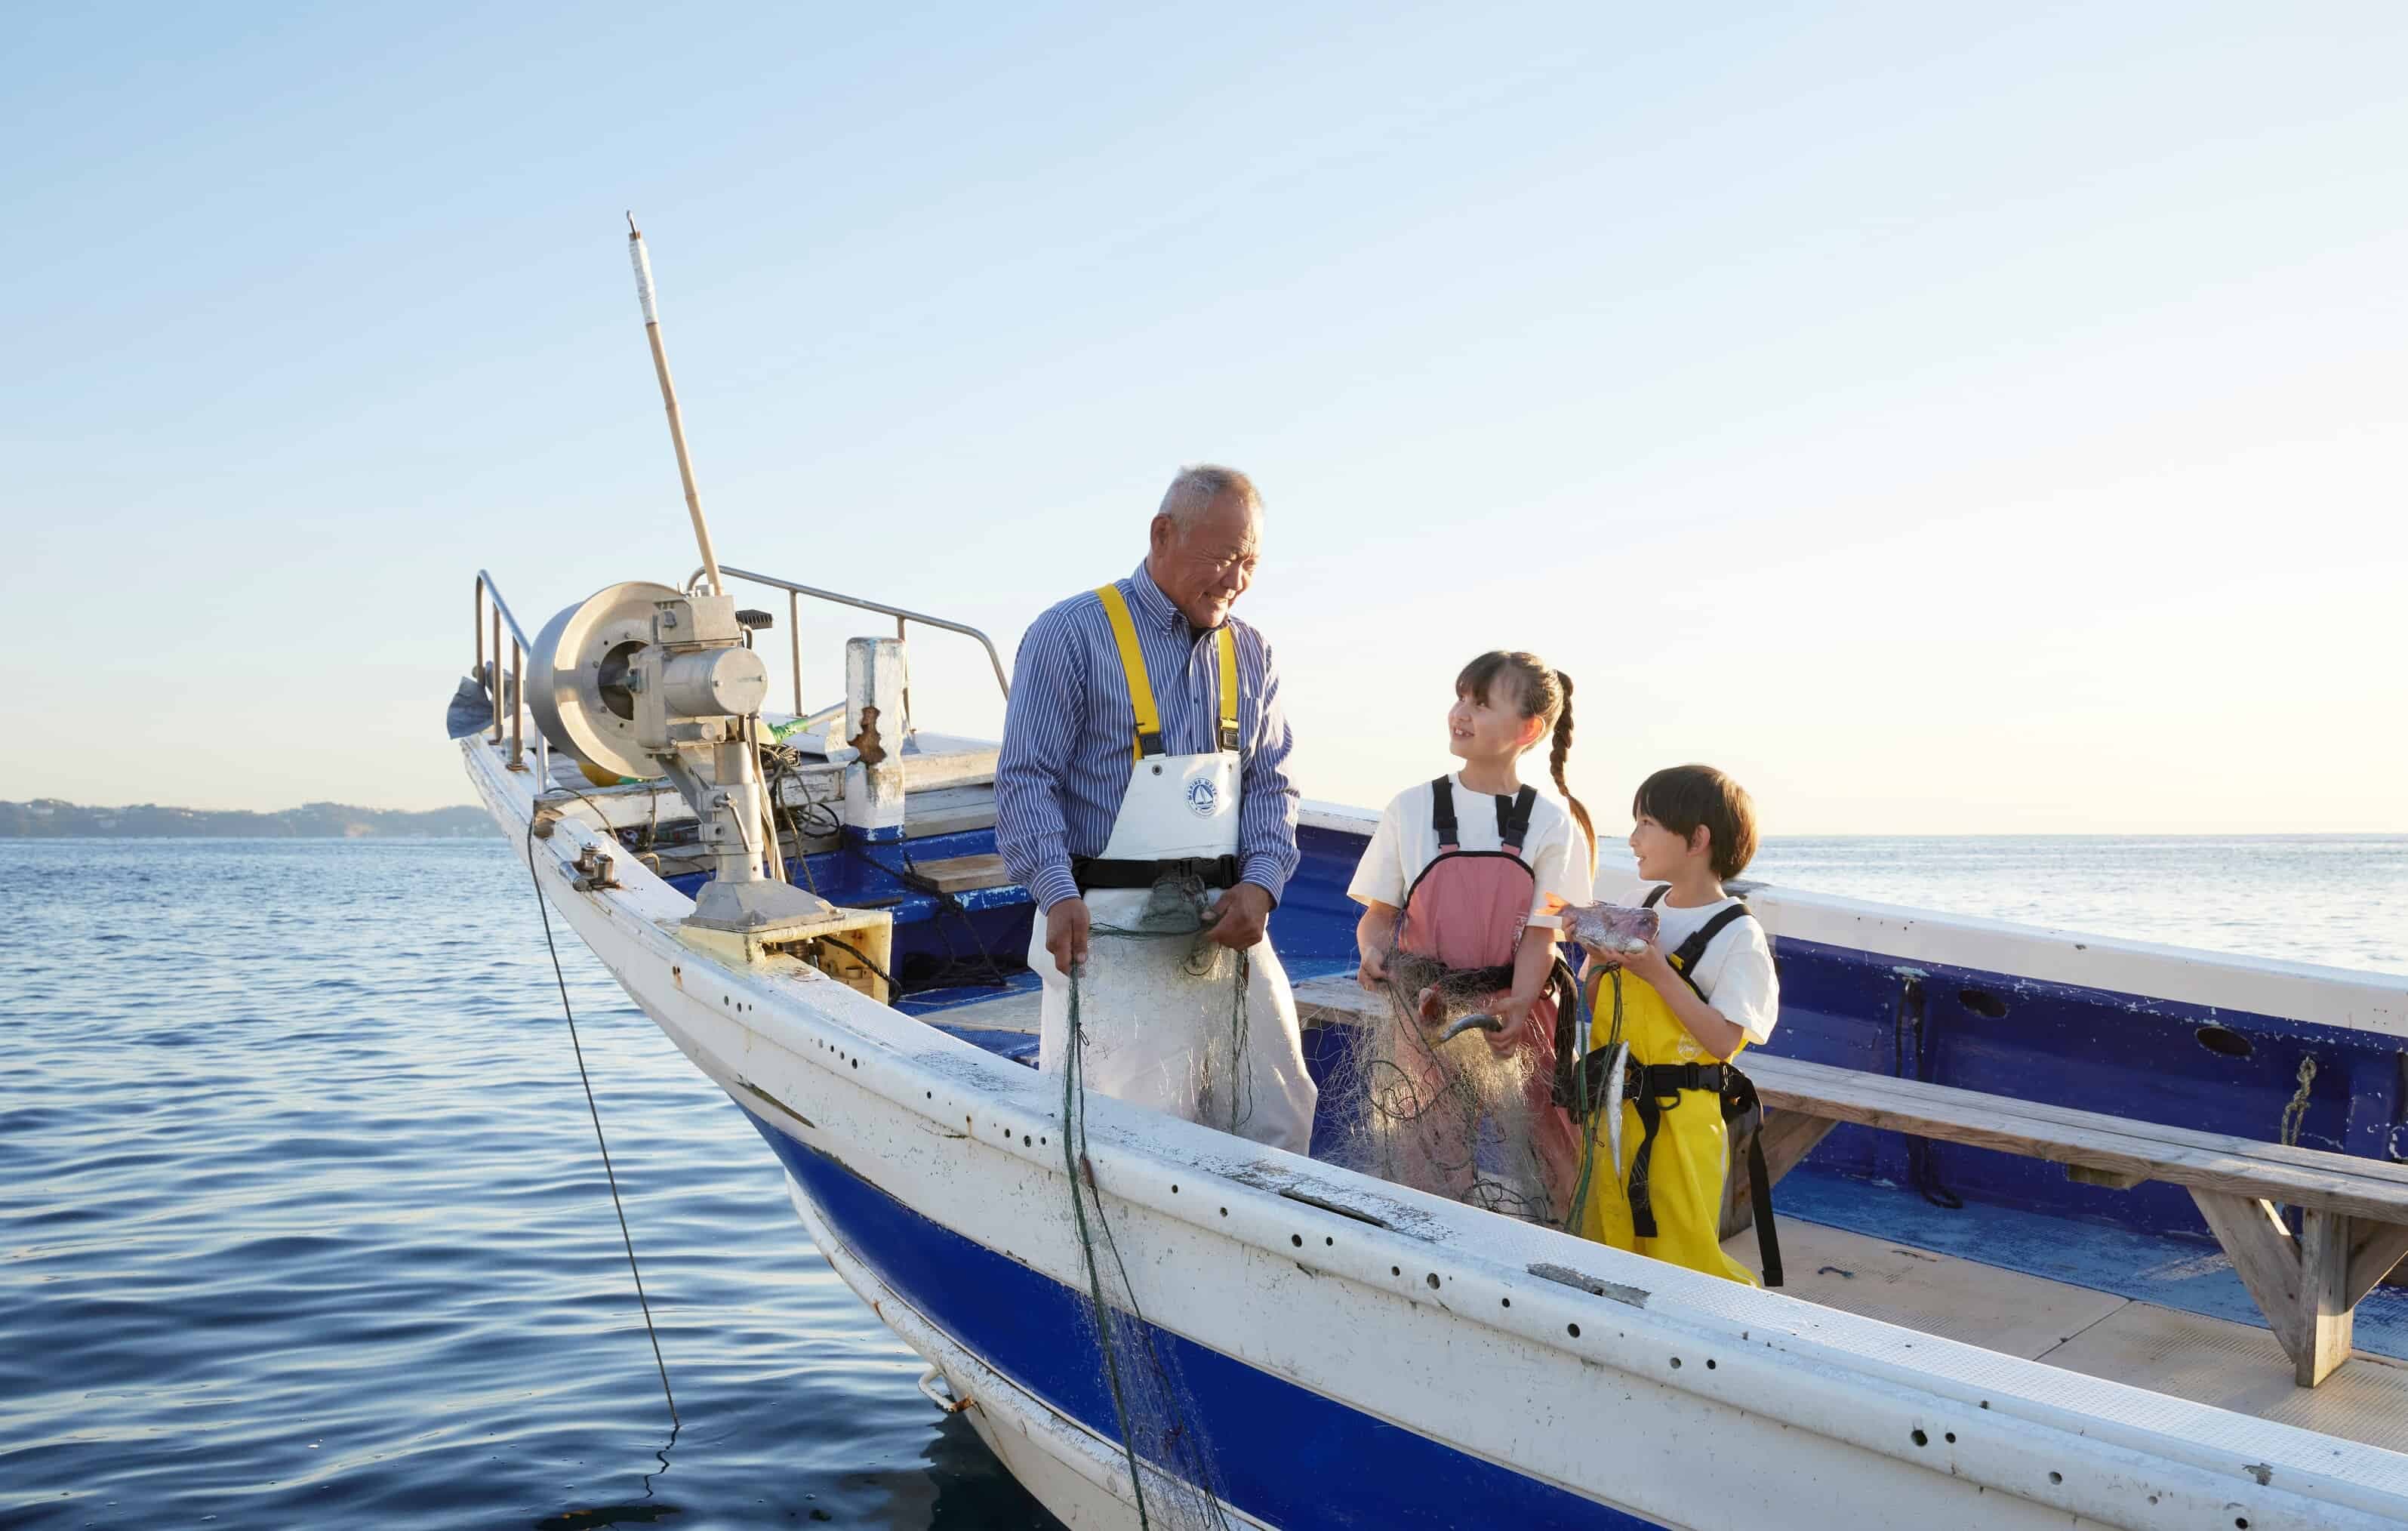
{"x": 2353, "y": 1212}
{"x": 962, "y": 874}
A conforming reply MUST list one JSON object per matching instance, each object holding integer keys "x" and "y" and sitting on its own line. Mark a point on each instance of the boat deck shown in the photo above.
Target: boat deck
{"x": 2142, "y": 1344}
{"x": 1873, "y": 1258}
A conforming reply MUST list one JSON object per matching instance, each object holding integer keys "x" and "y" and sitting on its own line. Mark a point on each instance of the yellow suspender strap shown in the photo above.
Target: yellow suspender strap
{"x": 1228, "y": 737}
{"x": 1149, "y": 722}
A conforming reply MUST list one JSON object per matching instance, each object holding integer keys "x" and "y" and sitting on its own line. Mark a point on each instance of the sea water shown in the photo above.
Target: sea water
{"x": 302, "y": 1222}
{"x": 2336, "y": 899}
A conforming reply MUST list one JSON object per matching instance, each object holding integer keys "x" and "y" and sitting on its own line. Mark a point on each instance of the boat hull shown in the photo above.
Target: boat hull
{"x": 1360, "y": 1354}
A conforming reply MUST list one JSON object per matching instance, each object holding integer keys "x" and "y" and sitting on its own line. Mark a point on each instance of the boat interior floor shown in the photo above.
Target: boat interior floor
{"x": 2157, "y": 1313}
{"x": 2208, "y": 1360}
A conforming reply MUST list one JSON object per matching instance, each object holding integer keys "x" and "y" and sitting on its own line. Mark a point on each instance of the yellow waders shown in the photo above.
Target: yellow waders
{"x": 1691, "y": 1153}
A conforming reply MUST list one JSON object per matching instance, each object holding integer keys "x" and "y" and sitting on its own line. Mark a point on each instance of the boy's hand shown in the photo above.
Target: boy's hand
{"x": 1650, "y": 964}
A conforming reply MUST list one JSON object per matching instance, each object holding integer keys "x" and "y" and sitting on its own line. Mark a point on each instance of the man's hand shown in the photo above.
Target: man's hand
{"x": 1237, "y": 919}
{"x": 1066, "y": 933}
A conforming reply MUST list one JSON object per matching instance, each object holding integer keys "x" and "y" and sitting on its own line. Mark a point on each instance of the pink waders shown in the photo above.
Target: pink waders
{"x": 1466, "y": 908}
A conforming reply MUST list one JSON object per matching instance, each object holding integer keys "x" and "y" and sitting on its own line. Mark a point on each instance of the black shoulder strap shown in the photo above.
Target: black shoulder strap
{"x": 1692, "y": 950}
{"x": 1442, "y": 813}
{"x": 1655, "y": 894}
{"x": 1514, "y": 818}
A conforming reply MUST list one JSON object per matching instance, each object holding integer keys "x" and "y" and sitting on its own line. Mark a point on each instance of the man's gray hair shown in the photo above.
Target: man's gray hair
{"x": 1197, "y": 489}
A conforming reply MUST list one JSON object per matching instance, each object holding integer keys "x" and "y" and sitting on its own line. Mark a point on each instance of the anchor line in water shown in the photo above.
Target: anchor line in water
{"x": 609, "y": 1172}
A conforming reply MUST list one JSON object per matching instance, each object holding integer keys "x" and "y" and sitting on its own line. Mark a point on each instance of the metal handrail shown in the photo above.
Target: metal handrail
{"x": 520, "y": 649}
{"x": 520, "y": 646}
{"x": 794, "y": 624}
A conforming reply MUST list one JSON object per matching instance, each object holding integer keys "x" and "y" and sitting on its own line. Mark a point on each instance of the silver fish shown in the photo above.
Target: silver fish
{"x": 1476, "y": 1021}
{"x": 1448, "y": 1000}
{"x": 1617, "y": 1062}
{"x": 1610, "y": 930}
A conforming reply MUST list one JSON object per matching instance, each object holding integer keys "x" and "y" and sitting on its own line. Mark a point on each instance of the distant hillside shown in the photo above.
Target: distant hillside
{"x": 48, "y": 818}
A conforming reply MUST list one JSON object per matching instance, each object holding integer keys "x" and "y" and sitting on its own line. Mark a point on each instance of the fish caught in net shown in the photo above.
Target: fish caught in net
{"x": 1428, "y": 1091}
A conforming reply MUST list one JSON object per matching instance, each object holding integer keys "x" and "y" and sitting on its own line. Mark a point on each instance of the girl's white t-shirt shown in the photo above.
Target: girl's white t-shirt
{"x": 1735, "y": 973}
{"x": 1556, "y": 851}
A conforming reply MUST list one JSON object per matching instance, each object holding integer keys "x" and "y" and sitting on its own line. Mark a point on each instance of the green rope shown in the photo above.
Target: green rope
{"x": 1077, "y": 1165}
{"x": 1074, "y": 1158}
{"x": 1587, "y": 1127}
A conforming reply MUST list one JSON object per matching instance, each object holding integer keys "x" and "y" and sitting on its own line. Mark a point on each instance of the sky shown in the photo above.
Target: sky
{"x": 1947, "y": 419}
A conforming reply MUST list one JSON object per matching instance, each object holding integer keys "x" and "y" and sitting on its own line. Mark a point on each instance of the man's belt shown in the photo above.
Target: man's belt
{"x": 1099, "y": 872}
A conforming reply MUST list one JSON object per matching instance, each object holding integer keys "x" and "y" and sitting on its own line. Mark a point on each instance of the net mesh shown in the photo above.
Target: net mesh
{"x": 1424, "y": 1091}
{"x": 1172, "y": 1473}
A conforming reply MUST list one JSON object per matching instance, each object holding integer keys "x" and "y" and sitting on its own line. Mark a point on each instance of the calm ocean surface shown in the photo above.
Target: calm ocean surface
{"x": 301, "y": 1221}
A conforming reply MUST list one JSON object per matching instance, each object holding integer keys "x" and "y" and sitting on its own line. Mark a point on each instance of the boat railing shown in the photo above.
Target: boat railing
{"x": 515, "y": 689}
{"x": 903, "y": 619}
{"x": 510, "y": 692}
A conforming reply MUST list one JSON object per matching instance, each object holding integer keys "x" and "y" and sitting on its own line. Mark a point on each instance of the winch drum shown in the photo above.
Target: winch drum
{"x": 576, "y": 676}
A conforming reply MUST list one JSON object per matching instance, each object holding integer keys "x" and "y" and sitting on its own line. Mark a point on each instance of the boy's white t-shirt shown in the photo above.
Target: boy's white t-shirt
{"x": 1555, "y": 851}
{"x": 1735, "y": 973}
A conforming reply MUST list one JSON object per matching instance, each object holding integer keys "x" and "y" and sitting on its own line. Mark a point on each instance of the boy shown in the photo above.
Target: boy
{"x": 1701, "y": 991}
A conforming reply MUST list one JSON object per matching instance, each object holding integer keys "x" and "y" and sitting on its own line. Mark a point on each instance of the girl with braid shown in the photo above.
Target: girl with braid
{"x": 1464, "y": 869}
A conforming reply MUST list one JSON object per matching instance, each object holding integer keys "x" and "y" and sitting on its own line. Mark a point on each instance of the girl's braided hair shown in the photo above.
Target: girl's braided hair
{"x": 1544, "y": 693}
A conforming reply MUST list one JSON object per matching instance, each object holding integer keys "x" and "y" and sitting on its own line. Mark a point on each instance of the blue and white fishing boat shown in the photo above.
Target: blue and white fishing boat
{"x": 2078, "y": 1231}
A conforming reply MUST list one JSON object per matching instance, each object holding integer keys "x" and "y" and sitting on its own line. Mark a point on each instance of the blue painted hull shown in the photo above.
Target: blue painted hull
{"x": 2189, "y": 1066}
{"x": 1280, "y": 1448}
{"x": 2091, "y": 1048}
{"x": 1304, "y": 1379}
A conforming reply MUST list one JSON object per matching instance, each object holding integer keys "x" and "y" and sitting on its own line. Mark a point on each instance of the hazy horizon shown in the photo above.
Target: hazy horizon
{"x": 1947, "y": 422}
{"x": 1609, "y": 844}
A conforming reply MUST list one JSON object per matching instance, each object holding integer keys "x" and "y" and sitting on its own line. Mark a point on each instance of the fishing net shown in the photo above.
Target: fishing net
{"x": 1169, "y": 1457}
{"x": 1417, "y": 1095}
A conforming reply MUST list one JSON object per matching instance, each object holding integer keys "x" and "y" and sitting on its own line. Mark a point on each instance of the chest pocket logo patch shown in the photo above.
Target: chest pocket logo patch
{"x": 1203, "y": 797}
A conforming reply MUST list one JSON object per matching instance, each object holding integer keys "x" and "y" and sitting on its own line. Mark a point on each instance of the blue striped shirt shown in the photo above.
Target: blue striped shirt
{"x": 1070, "y": 728}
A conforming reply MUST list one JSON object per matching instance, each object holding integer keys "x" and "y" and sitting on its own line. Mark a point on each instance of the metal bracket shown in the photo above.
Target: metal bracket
{"x": 593, "y": 868}
{"x": 928, "y": 1380}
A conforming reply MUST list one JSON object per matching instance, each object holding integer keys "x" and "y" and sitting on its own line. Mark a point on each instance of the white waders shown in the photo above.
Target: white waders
{"x": 1160, "y": 1011}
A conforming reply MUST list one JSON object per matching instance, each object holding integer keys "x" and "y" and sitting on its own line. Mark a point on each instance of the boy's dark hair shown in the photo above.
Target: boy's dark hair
{"x": 1681, "y": 798}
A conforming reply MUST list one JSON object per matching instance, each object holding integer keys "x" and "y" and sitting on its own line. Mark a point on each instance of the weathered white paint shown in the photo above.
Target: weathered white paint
{"x": 2297, "y": 991}
{"x": 873, "y": 703}
{"x": 1802, "y": 1404}
{"x": 941, "y": 760}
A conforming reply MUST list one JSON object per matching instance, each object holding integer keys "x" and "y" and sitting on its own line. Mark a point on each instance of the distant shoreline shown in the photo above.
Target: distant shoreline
{"x": 53, "y": 819}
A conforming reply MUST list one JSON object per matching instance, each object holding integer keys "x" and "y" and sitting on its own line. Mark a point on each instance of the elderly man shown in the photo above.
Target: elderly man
{"x": 1143, "y": 796}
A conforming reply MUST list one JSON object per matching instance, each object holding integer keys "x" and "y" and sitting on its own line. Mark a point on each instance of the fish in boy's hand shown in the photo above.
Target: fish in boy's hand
{"x": 1610, "y": 930}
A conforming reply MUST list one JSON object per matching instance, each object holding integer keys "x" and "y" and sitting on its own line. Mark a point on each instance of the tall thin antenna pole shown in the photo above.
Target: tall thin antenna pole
{"x": 643, "y": 264}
